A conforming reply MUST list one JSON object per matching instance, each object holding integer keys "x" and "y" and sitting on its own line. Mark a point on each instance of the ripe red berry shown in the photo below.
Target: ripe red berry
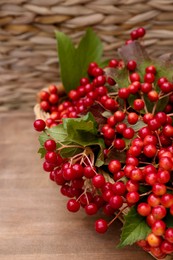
{"x": 91, "y": 209}
{"x": 134, "y": 35}
{"x": 153, "y": 240}
{"x": 158, "y": 227}
{"x": 149, "y": 77}
{"x": 138, "y": 104}
{"x": 116, "y": 202}
{"x": 132, "y": 118}
{"x": 50, "y": 145}
{"x": 124, "y": 93}
{"x": 73, "y": 205}
{"x": 132, "y": 197}
{"x": 141, "y": 32}
{"x": 131, "y": 65}
{"x": 114, "y": 166}
{"x": 144, "y": 209}
{"x": 113, "y": 63}
{"x": 98, "y": 181}
{"x": 39, "y": 125}
{"x": 134, "y": 77}
{"x": 101, "y": 226}
{"x": 169, "y": 235}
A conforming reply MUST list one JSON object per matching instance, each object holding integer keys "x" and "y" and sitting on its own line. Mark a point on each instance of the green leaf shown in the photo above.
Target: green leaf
{"x": 58, "y": 133}
{"x": 121, "y": 78}
{"x": 90, "y": 49}
{"x": 70, "y": 151}
{"x": 134, "y": 229}
{"x": 74, "y": 61}
{"x": 42, "y": 152}
{"x": 114, "y": 154}
{"x": 86, "y": 125}
{"x": 83, "y": 131}
{"x": 136, "y": 127}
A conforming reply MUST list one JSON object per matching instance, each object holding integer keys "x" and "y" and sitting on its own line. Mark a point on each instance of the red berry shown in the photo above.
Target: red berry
{"x": 113, "y": 63}
{"x": 131, "y": 65}
{"x": 132, "y": 118}
{"x": 39, "y": 125}
{"x": 116, "y": 202}
{"x": 144, "y": 209}
{"x": 91, "y": 209}
{"x": 101, "y": 226}
{"x": 141, "y": 32}
{"x": 158, "y": 227}
{"x": 98, "y": 181}
{"x": 73, "y": 205}
{"x": 114, "y": 166}
{"x": 169, "y": 235}
{"x": 50, "y": 145}
{"x": 138, "y": 104}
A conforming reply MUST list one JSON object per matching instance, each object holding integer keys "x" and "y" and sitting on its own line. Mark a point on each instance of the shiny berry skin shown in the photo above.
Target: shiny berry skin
{"x": 150, "y": 69}
{"x": 51, "y": 157}
{"x": 166, "y": 87}
{"x": 98, "y": 181}
{"x": 114, "y": 166}
{"x": 53, "y": 99}
{"x": 167, "y": 200}
{"x": 132, "y": 197}
{"x": 150, "y": 150}
{"x": 166, "y": 163}
{"x": 73, "y": 205}
{"x": 158, "y": 227}
{"x": 101, "y": 226}
{"x": 138, "y": 104}
{"x": 53, "y": 89}
{"x": 144, "y": 209}
{"x": 128, "y": 133}
{"x": 163, "y": 176}
{"x": 159, "y": 212}
{"x": 119, "y": 144}
{"x": 91, "y": 209}
{"x": 124, "y": 93}
{"x": 50, "y": 145}
{"x": 149, "y": 77}
{"x": 48, "y": 167}
{"x": 44, "y": 95}
{"x": 39, "y": 125}
{"x": 167, "y": 247}
{"x": 153, "y": 240}
{"x": 89, "y": 172}
{"x": 153, "y": 200}
{"x": 146, "y": 87}
{"x": 132, "y": 118}
{"x": 119, "y": 188}
{"x": 134, "y": 35}
{"x": 153, "y": 96}
{"x": 131, "y": 65}
{"x": 169, "y": 235}
{"x": 113, "y": 63}
{"x": 116, "y": 202}
{"x": 141, "y": 32}
{"x": 134, "y": 77}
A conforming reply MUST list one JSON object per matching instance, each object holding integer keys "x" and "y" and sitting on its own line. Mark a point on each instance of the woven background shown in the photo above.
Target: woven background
{"x": 28, "y": 59}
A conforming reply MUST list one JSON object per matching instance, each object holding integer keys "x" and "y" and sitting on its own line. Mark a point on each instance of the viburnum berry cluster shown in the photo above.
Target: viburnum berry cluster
{"x": 108, "y": 144}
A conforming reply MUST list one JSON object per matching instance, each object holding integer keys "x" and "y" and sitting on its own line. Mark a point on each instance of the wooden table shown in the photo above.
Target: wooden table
{"x": 34, "y": 222}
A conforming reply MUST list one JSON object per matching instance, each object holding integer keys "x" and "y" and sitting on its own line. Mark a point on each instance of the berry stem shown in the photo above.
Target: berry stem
{"x": 117, "y": 215}
{"x": 146, "y": 193}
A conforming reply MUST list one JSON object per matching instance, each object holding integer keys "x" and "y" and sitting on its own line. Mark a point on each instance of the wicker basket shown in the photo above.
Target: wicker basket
{"x": 28, "y": 49}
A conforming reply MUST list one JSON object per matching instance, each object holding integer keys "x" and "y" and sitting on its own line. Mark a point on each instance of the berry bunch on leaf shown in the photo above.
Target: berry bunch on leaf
{"x": 107, "y": 138}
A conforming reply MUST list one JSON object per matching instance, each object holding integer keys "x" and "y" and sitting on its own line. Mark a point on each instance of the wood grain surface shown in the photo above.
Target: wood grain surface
{"x": 34, "y": 222}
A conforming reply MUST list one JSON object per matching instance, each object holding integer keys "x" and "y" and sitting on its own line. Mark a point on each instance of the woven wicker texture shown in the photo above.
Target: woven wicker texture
{"x": 28, "y": 48}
